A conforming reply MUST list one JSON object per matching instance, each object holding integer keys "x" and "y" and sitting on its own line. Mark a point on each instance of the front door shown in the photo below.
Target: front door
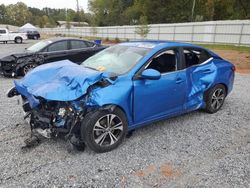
{"x": 154, "y": 99}
{"x": 57, "y": 51}
{"x": 3, "y": 35}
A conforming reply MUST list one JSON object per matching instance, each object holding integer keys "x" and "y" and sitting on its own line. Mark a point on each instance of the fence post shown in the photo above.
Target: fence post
{"x": 125, "y": 31}
{"x": 174, "y": 33}
{"x": 215, "y": 31}
{"x": 134, "y": 32}
{"x": 159, "y": 27}
{"x": 108, "y": 33}
{"x": 192, "y": 35}
{"x": 241, "y": 33}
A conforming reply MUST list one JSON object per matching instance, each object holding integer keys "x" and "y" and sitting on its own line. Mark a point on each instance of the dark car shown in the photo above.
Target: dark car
{"x": 46, "y": 51}
{"x": 33, "y": 35}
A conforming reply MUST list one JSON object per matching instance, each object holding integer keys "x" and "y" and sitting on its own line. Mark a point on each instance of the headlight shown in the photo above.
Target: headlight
{"x": 62, "y": 112}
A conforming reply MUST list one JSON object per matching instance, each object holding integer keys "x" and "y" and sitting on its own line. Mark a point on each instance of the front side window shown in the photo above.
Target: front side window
{"x": 165, "y": 62}
{"x": 195, "y": 56}
{"x": 2, "y": 31}
{"x": 75, "y": 44}
{"x": 118, "y": 59}
{"x": 58, "y": 46}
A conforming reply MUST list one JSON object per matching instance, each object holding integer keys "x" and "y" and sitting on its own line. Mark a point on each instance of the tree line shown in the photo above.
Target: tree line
{"x": 19, "y": 14}
{"x": 129, "y": 12}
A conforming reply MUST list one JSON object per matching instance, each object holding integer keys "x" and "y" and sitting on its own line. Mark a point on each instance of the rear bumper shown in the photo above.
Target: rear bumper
{"x": 231, "y": 82}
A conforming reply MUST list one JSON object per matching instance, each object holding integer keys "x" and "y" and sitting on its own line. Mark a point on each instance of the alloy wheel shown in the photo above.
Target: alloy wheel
{"x": 28, "y": 68}
{"x": 217, "y": 98}
{"x": 107, "y": 130}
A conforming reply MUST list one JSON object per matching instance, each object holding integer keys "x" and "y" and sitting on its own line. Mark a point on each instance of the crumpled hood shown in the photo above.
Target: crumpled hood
{"x": 13, "y": 57}
{"x": 60, "y": 81}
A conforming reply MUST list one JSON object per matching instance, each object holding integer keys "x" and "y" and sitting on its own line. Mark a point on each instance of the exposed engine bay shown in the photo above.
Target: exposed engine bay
{"x": 54, "y": 117}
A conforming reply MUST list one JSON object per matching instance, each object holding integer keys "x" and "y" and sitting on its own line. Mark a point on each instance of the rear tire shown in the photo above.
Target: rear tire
{"x": 214, "y": 98}
{"x": 104, "y": 130}
{"x": 18, "y": 40}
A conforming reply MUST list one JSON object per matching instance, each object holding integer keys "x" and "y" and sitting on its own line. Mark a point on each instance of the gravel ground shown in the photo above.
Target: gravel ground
{"x": 192, "y": 150}
{"x": 7, "y": 49}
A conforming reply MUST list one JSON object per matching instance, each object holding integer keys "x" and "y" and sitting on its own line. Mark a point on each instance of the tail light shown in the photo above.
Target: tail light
{"x": 233, "y": 68}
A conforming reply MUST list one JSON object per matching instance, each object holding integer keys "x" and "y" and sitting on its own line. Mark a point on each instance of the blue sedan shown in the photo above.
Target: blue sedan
{"x": 122, "y": 88}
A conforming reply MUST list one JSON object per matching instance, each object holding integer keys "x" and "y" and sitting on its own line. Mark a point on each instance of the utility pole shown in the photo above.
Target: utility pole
{"x": 77, "y": 9}
{"x": 193, "y": 7}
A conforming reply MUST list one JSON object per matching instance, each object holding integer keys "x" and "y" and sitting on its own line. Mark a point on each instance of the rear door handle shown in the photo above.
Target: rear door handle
{"x": 179, "y": 80}
{"x": 207, "y": 71}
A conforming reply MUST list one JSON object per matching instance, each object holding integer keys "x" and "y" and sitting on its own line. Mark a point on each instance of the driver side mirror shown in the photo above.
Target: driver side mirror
{"x": 151, "y": 74}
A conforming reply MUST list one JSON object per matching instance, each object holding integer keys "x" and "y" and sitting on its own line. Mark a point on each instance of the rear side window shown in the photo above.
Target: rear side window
{"x": 58, "y": 46}
{"x": 75, "y": 44}
{"x": 195, "y": 56}
{"x": 90, "y": 44}
{"x": 2, "y": 31}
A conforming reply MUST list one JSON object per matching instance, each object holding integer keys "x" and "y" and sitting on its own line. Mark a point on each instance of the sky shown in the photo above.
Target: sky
{"x": 50, "y": 3}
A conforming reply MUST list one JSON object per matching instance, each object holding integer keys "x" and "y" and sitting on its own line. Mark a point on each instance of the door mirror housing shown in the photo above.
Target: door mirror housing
{"x": 151, "y": 74}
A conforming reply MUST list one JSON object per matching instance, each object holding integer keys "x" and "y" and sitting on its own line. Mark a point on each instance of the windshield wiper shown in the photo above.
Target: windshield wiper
{"x": 90, "y": 68}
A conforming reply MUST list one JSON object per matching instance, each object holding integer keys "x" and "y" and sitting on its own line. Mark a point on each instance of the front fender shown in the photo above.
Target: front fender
{"x": 118, "y": 94}
{"x": 36, "y": 58}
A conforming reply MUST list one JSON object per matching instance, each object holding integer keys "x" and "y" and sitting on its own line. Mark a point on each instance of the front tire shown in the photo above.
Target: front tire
{"x": 28, "y": 68}
{"x": 104, "y": 130}
{"x": 215, "y": 98}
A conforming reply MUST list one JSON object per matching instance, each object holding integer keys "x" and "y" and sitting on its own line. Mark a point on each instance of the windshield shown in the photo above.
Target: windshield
{"x": 117, "y": 59}
{"x": 38, "y": 46}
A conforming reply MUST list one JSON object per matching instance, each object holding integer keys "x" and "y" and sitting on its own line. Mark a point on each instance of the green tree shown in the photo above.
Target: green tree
{"x": 3, "y": 14}
{"x": 144, "y": 28}
{"x": 18, "y": 14}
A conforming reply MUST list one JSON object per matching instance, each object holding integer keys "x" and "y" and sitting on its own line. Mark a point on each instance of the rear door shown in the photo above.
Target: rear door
{"x": 201, "y": 73}
{"x": 80, "y": 50}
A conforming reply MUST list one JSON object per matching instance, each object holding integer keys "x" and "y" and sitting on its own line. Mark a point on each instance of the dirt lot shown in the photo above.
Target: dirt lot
{"x": 240, "y": 59}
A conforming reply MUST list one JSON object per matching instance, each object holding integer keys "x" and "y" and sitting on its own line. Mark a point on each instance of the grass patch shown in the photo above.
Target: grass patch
{"x": 226, "y": 47}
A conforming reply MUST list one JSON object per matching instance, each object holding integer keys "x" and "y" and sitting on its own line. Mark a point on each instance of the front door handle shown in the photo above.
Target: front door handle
{"x": 179, "y": 80}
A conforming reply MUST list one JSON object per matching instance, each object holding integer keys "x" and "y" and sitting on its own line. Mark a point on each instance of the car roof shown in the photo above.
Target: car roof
{"x": 158, "y": 43}
{"x": 155, "y": 45}
{"x": 56, "y": 39}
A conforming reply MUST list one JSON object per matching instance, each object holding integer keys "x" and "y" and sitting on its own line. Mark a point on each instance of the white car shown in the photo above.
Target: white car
{"x": 6, "y": 36}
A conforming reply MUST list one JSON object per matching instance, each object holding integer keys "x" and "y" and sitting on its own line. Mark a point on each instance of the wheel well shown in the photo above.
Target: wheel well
{"x": 18, "y": 37}
{"x": 224, "y": 86}
{"x": 205, "y": 93}
{"x": 112, "y": 106}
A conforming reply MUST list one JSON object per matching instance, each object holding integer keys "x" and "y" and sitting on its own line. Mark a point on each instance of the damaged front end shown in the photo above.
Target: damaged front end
{"x": 8, "y": 66}
{"x": 57, "y": 106}
{"x": 51, "y": 119}
{"x": 13, "y": 65}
